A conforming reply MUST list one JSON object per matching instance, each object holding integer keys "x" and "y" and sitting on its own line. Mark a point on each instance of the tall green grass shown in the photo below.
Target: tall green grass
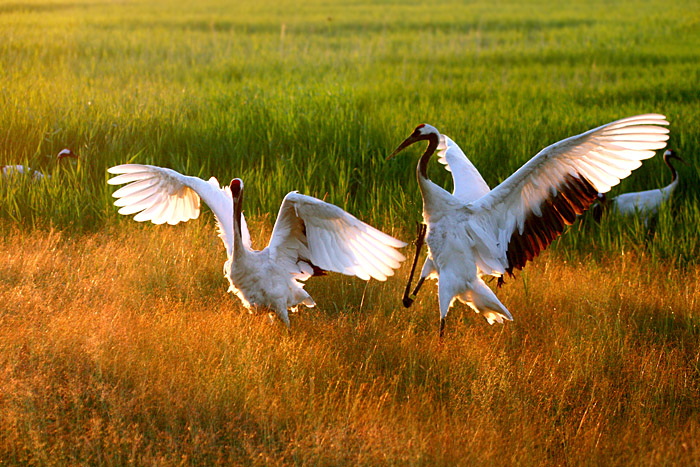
{"x": 312, "y": 97}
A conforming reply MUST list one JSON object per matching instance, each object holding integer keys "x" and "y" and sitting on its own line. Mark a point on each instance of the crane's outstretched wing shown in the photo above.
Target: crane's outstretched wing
{"x": 469, "y": 185}
{"x": 163, "y": 195}
{"x": 320, "y": 234}
{"x": 531, "y": 207}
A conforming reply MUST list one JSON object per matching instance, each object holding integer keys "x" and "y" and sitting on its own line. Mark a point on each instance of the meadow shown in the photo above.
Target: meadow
{"x": 119, "y": 343}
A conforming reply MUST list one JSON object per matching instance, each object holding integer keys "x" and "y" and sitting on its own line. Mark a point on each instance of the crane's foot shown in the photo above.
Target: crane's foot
{"x": 408, "y": 301}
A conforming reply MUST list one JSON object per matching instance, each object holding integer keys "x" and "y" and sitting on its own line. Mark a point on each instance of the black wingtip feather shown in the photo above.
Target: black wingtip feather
{"x": 574, "y": 196}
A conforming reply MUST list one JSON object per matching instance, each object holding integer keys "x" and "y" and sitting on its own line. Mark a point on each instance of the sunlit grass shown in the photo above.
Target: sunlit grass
{"x": 119, "y": 343}
{"x": 123, "y": 346}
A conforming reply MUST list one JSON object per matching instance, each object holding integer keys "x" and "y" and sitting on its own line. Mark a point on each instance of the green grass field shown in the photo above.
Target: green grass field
{"x": 118, "y": 342}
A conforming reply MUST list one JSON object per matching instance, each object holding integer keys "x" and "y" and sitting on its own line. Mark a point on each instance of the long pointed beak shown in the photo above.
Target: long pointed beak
{"x": 670, "y": 154}
{"x": 678, "y": 157}
{"x": 407, "y": 142}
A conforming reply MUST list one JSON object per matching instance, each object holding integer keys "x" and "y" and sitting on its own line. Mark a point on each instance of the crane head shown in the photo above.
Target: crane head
{"x": 236, "y": 187}
{"x": 671, "y": 154}
{"x": 421, "y": 133}
{"x": 66, "y": 153}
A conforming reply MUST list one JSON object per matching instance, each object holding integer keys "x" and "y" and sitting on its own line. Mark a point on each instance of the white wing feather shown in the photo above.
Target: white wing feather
{"x": 162, "y": 195}
{"x": 469, "y": 185}
{"x": 331, "y": 239}
{"x": 600, "y": 157}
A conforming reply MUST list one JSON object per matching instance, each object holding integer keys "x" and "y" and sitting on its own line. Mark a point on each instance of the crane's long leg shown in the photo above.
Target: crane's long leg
{"x": 408, "y": 299}
{"x": 281, "y": 311}
{"x": 448, "y": 288}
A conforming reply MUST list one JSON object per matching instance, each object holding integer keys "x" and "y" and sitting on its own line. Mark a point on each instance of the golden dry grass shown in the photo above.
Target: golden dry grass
{"x": 123, "y": 346}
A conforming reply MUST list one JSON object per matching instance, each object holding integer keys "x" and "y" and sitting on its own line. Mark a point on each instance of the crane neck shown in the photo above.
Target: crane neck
{"x": 674, "y": 174}
{"x": 436, "y": 200}
{"x": 237, "y": 234}
{"x": 433, "y": 141}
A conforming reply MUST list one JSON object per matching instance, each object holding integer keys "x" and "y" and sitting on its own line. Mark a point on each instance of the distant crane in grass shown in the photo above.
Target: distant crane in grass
{"x": 310, "y": 236}
{"x": 508, "y": 226}
{"x": 645, "y": 203}
{"x": 8, "y": 171}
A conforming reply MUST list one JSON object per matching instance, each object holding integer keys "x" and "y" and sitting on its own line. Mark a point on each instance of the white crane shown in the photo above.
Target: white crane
{"x": 309, "y": 238}
{"x": 645, "y": 203}
{"x": 468, "y": 185}
{"x": 509, "y": 225}
{"x": 8, "y": 171}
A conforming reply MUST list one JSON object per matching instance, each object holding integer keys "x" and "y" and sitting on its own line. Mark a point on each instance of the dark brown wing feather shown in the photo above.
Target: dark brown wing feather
{"x": 573, "y": 197}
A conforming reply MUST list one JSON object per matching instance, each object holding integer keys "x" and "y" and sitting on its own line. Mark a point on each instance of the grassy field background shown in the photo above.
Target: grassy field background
{"x": 119, "y": 344}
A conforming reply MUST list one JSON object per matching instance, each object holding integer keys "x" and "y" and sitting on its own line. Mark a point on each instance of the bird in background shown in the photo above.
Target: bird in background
{"x": 644, "y": 203}
{"x": 504, "y": 228}
{"x": 8, "y": 171}
{"x": 310, "y": 236}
